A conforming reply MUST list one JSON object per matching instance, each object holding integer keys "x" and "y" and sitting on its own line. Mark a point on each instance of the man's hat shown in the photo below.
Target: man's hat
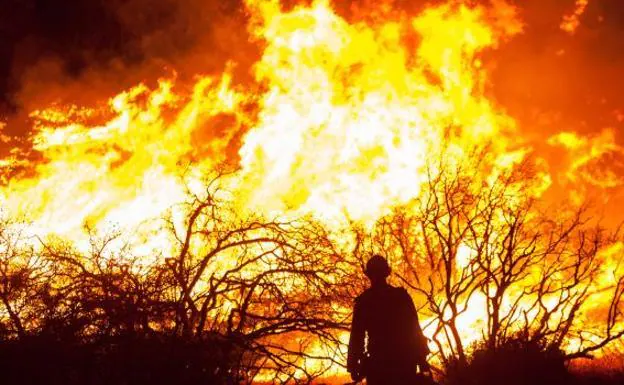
{"x": 377, "y": 266}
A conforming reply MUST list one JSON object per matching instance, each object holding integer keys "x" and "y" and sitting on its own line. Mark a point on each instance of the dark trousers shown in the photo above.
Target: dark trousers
{"x": 392, "y": 375}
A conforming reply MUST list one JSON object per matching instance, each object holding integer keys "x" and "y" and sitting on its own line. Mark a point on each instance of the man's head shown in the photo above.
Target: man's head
{"x": 377, "y": 269}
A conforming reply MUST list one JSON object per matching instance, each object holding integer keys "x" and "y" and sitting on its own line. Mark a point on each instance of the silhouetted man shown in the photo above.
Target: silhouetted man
{"x": 395, "y": 345}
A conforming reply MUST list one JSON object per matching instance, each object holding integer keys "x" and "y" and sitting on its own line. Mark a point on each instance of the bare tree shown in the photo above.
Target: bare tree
{"x": 24, "y": 277}
{"x": 273, "y": 296}
{"x": 266, "y": 285}
{"x": 473, "y": 234}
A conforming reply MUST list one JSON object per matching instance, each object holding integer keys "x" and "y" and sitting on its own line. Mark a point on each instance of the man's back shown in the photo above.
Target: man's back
{"x": 389, "y": 318}
{"x": 396, "y": 344}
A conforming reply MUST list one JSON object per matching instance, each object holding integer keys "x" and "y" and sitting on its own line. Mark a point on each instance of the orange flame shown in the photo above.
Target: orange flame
{"x": 350, "y": 115}
{"x": 346, "y": 122}
{"x": 572, "y": 21}
{"x": 345, "y": 117}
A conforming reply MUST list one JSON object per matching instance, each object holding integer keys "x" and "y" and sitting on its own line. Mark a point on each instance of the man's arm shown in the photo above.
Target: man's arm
{"x": 422, "y": 342}
{"x": 419, "y": 337}
{"x": 356, "y": 344}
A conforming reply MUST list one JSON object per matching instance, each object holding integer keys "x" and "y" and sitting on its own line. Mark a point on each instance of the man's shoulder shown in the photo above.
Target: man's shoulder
{"x": 366, "y": 296}
{"x": 363, "y": 296}
{"x": 401, "y": 291}
{"x": 404, "y": 295}
{"x": 371, "y": 293}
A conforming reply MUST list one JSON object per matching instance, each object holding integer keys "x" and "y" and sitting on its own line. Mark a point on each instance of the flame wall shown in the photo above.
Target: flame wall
{"x": 324, "y": 108}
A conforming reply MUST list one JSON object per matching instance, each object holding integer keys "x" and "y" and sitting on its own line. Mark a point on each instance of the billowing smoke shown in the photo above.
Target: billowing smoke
{"x": 110, "y": 43}
{"x": 83, "y": 52}
{"x": 554, "y": 80}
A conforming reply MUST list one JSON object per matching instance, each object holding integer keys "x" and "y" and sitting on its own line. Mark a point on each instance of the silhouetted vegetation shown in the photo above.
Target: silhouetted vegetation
{"x": 516, "y": 361}
{"x": 234, "y": 300}
{"x": 478, "y": 242}
{"x": 157, "y": 359}
{"x": 521, "y": 361}
{"x": 606, "y": 371}
{"x": 242, "y": 298}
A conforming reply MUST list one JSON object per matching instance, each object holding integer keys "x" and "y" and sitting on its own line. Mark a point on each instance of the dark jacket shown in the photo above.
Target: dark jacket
{"x": 387, "y": 315}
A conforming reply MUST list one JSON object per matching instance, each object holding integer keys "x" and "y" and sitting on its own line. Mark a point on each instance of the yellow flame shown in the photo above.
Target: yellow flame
{"x": 572, "y": 21}
{"x": 345, "y": 117}
{"x": 589, "y": 155}
{"x": 351, "y": 116}
{"x": 123, "y": 172}
{"x": 348, "y": 117}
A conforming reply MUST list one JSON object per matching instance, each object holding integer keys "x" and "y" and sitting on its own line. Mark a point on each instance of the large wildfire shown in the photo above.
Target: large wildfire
{"x": 342, "y": 119}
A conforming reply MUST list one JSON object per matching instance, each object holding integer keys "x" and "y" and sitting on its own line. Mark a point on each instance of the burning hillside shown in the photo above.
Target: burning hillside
{"x": 350, "y": 118}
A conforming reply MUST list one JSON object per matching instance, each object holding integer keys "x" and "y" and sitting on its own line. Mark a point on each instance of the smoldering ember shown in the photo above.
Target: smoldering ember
{"x": 202, "y": 192}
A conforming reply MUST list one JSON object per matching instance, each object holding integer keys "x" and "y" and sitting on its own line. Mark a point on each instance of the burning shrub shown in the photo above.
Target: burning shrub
{"x": 485, "y": 259}
{"x": 336, "y": 118}
{"x": 516, "y": 361}
{"x": 520, "y": 360}
{"x": 158, "y": 359}
{"x": 240, "y": 298}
